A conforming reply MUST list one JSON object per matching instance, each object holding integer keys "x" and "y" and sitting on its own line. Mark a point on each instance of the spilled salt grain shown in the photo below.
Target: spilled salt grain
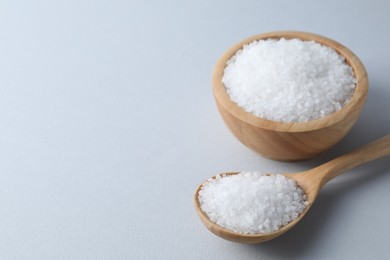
{"x": 289, "y": 80}
{"x": 252, "y": 202}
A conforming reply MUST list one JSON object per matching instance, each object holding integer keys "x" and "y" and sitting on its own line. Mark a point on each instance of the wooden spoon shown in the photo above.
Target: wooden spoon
{"x": 310, "y": 181}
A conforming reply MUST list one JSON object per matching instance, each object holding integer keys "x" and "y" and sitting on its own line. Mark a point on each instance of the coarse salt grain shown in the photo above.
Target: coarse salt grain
{"x": 252, "y": 202}
{"x": 289, "y": 80}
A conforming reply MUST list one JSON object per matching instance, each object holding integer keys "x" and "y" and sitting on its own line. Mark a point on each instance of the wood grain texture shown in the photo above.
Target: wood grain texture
{"x": 290, "y": 141}
{"x": 310, "y": 181}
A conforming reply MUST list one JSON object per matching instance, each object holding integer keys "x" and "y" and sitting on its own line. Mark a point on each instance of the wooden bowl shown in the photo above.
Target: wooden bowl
{"x": 290, "y": 141}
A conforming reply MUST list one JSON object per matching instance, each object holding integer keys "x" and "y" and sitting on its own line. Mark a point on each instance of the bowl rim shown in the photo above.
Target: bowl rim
{"x": 351, "y": 59}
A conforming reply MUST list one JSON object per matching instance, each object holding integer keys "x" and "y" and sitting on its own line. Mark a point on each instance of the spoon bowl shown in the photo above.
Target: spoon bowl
{"x": 310, "y": 182}
{"x": 302, "y": 182}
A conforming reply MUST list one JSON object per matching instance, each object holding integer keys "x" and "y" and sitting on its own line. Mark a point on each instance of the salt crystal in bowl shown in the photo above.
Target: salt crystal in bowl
{"x": 290, "y": 141}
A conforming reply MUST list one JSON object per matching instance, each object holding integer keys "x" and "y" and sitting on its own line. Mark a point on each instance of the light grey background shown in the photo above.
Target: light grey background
{"x": 108, "y": 124}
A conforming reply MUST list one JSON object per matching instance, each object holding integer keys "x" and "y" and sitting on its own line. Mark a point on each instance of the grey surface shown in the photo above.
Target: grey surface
{"x": 108, "y": 124}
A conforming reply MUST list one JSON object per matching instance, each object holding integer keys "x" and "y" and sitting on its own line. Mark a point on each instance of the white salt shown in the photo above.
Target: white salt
{"x": 289, "y": 80}
{"x": 251, "y": 202}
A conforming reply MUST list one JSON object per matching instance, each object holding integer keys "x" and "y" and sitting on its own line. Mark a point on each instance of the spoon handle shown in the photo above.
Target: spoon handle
{"x": 366, "y": 153}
